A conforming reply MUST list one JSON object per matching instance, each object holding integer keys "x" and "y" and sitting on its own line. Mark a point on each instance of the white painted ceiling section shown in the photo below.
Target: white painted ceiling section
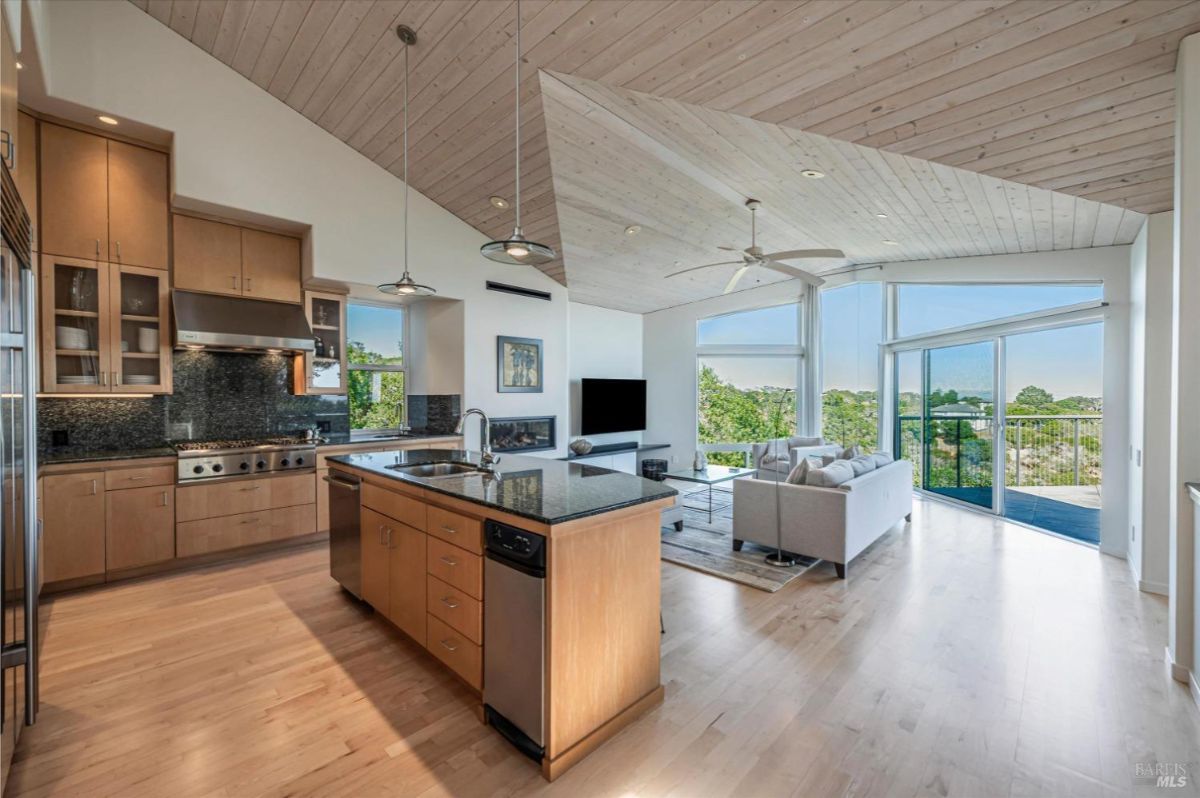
{"x": 682, "y": 172}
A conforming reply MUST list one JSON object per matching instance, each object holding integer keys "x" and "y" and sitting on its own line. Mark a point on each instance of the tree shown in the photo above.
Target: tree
{"x": 1034, "y": 396}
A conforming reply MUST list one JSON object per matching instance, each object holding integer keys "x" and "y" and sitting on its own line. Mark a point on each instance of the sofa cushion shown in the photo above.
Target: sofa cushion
{"x": 830, "y": 476}
{"x": 798, "y": 474}
{"x": 849, "y": 453}
{"x": 862, "y": 464}
{"x": 799, "y": 441}
{"x": 882, "y": 458}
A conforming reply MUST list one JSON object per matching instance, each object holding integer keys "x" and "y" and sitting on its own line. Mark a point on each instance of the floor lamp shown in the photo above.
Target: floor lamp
{"x": 777, "y": 557}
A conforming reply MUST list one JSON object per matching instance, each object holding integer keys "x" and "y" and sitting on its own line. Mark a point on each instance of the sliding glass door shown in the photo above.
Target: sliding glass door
{"x": 959, "y": 422}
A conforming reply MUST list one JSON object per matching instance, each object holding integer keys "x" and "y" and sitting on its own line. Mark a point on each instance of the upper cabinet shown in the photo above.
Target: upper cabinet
{"x": 102, "y": 199}
{"x": 324, "y": 368}
{"x": 26, "y": 173}
{"x": 220, "y": 258}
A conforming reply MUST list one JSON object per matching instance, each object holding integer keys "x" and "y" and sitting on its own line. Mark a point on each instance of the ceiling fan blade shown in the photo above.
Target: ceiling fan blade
{"x": 792, "y": 271}
{"x": 793, "y": 254}
{"x": 705, "y": 266}
{"x": 733, "y": 281}
{"x": 730, "y": 249}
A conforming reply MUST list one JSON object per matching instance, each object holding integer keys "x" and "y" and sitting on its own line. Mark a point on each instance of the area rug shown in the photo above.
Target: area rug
{"x": 708, "y": 547}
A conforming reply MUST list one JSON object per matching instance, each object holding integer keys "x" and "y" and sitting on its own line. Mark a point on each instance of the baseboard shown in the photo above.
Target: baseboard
{"x": 1178, "y": 672}
{"x": 1157, "y": 588}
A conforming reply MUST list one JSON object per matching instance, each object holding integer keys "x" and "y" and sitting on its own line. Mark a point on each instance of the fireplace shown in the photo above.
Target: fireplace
{"x": 527, "y": 434}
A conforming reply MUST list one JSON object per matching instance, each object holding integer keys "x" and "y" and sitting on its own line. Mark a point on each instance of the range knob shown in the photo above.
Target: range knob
{"x": 244, "y": 466}
{"x": 299, "y": 461}
{"x": 198, "y": 469}
{"x": 285, "y": 462}
{"x": 261, "y": 464}
{"x": 218, "y": 468}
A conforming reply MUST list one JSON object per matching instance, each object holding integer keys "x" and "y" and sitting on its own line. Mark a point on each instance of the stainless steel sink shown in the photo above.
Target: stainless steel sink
{"x": 436, "y": 469}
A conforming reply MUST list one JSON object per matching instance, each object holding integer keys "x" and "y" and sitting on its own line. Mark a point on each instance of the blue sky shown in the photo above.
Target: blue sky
{"x": 379, "y": 329}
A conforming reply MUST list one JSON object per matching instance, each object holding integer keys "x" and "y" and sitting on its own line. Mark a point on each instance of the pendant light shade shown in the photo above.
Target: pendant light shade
{"x": 406, "y": 286}
{"x": 516, "y": 249}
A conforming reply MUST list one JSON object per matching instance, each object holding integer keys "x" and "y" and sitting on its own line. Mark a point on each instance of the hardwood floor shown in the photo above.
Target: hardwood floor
{"x": 963, "y": 657}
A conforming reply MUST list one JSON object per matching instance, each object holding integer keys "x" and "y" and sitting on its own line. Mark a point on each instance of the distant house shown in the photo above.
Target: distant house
{"x": 958, "y": 409}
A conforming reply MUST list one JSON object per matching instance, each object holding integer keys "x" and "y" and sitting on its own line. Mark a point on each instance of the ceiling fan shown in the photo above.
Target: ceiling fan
{"x": 754, "y": 256}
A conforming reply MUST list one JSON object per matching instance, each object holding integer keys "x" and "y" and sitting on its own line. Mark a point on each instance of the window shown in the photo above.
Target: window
{"x": 748, "y": 370}
{"x": 375, "y": 351}
{"x": 925, "y": 308}
{"x": 851, "y": 331}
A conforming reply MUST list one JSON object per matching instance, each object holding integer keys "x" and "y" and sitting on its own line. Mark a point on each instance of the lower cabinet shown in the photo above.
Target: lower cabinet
{"x": 376, "y": 565}
{"x": 141, "y": 527}
{"x": 406, "y": 580}
{"x": 208, "y": 535}
{"x": 244, "y": 512}
{"x": 73, "y": 525}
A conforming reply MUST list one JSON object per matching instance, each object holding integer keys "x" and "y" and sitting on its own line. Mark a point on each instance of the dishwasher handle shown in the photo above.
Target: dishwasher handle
{"x": 341, "y": 483}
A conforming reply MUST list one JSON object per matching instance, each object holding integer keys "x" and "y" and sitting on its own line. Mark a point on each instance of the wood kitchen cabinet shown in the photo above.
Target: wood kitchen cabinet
{"x": 376, "y": 562}
{"x": 105, "y": 327}
{"x": 26, "y": 173}
{"x": 140, "y": 526}
{"x": 73, "y": 525}
{"x": 220, "y": 258}
{"x": 102, "y": 199}
{"x": 324, "y": 369}
{"x": 406, "y": 580}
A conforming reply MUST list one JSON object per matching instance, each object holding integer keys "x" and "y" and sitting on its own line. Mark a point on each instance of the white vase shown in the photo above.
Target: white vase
{"x": 700, "y": 461}
{"x": 148, "y": 339}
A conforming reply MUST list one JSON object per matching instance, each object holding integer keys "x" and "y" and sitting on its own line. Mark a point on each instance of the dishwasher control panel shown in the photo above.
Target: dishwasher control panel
{"x": 516, "y": 545}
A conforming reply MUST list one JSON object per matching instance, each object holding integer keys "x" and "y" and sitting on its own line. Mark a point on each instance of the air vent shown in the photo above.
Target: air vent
{"x": 518, "y": 290}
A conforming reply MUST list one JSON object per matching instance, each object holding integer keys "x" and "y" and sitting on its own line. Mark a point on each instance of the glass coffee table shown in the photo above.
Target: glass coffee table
{"x": 710, "y": 476}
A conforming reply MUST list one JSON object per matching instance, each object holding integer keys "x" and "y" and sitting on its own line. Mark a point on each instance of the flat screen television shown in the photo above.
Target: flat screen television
{"x": 612, "y": 406}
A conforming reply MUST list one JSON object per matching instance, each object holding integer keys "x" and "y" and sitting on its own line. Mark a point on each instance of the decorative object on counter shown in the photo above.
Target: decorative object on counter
{"x": 580, "y": 446}
{"x": 406, "y": 286}
{"x": 148, "y": 339}
{"x": 700, "y": 461}
{"x": 518, "y": 364}
{"x": 655, "y": 469}
{"x": 517, "y": 249}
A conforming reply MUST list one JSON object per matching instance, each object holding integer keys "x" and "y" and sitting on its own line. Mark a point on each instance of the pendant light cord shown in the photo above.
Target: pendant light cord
{"x": 406, "y": 49}
{"x": 518, "y": 104}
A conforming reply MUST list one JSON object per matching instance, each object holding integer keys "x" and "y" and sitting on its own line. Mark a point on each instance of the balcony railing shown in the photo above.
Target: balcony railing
{"x": 1038, "y": 450}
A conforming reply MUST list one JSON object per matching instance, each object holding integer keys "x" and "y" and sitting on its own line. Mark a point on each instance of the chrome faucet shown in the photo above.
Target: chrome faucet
{"x": 486, "y": 459}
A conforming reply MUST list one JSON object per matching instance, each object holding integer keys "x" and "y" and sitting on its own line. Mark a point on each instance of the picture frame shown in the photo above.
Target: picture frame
{"x": 518, "y": 365}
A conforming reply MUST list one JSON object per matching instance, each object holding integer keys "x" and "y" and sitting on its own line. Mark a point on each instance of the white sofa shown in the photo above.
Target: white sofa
{"x": 832, "y": 524}
{"x": 783, "y": 454}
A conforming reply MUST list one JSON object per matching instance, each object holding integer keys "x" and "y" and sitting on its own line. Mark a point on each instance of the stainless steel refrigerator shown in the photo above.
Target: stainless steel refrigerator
{"x": 18, "y": 474}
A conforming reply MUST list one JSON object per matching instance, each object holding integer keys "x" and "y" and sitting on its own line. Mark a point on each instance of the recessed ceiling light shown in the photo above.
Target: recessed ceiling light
{"x": 20, "y": 65}
{"x": 108, "y": 120}
{"x": 881, "y": 215}
{"x": 812, "y": 174}
{"x": 633, "y": 229}
{"x": 498, "y": 202}
{"x": 891, "y": 243}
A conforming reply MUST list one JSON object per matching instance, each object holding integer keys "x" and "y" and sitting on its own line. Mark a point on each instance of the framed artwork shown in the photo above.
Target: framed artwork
{"x": 518, "y": 364}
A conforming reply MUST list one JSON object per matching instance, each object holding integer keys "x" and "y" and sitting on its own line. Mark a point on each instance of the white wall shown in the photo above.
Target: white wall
{"x": 605, "y": 344}
{"x": 1150, "y": 402}
{"x": 240, "y": 152}
{"x": 670, "y": 350}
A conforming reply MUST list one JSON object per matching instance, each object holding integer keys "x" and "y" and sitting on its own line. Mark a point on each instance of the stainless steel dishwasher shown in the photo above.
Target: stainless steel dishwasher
{"x": 345, "y": 546}
{"x": 514, "y": 622}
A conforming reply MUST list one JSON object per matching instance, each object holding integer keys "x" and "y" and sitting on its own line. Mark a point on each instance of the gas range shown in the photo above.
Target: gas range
{"x": 243, "y": 457}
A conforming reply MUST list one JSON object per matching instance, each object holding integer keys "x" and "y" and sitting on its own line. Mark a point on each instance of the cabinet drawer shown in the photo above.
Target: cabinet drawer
{"x": 455, "y": 608}
{"x": 195, "y": 502}
{"x": 396, "y": 506}
{"x": 292, "y": 522}
{"x": 217, "y": 534}
{"x": 293, "y": 489}
{"x": 457, "y": 529}
{"x": 460, "y": 654}
{"x": 139, "y": 477}
{"x": 456, "y": 567}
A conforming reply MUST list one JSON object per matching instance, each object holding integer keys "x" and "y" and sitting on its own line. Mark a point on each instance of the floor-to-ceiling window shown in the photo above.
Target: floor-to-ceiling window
{"x": 851, "y": 331}
{"x": 748, "y": 369}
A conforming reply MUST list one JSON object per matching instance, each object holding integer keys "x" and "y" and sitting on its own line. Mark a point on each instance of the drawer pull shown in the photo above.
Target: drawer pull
{"x": 250, "y": 520}
{"x": 446, "y": 645}
{"x": 135, "y": 479}
{"x": 449, "y": 561}
{"x": 451, "y": 604}
{"x": 253, "y": 487}
{"x": 449, "y": 529}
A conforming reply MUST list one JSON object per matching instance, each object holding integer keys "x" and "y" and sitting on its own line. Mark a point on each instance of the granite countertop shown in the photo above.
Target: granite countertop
{"x": 543, "y": 490}
{"x": 347, "y": 439}
{"x": 62, "y": 456}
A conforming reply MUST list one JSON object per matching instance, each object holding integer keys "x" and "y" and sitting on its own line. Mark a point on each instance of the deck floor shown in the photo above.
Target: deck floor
{"x": 1037, "y": 508}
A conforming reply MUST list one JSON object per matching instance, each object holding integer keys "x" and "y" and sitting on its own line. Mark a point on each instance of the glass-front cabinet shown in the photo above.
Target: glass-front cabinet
{"x": 104, "y": 328}
{"x": 325, "y": 367}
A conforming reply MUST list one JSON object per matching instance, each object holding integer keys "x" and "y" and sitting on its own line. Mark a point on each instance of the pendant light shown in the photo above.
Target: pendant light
{"x": 406, "y": 285}
{"x": 516, "y": 249}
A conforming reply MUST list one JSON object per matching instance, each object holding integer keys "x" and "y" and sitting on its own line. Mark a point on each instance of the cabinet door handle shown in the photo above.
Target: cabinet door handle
{"x": 97, "y": 249}
{"x": 93, "y": 493}
{"x": 449, "y": 561}
{"x": 233, "y": 281}
{"x": 446, "y": 645}
{"x": 116, "y": 378}
{"x": 104, "y": 378}
{"x": 381, "y": 534}
{"x": 451, "y": 604}
{"x": 118, "y": 250}
{"x": 164, "y": 499}
{"x": 389, "y": 537}
{"x": 249, "y": 288}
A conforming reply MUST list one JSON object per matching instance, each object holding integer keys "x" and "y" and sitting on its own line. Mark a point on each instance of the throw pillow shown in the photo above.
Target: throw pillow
{"x": 826, "y": 459}
{"x": 831, "y": 475}
{"x": 849, "y": 453}
{"x": 798, "y": 441}
{"x": 798, "y": 474}
{"x": 862, "y": 464}
{"x": 882, "y": 458}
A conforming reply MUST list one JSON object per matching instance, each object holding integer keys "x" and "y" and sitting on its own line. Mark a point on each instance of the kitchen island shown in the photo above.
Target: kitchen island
{"x": 454, "y": 559}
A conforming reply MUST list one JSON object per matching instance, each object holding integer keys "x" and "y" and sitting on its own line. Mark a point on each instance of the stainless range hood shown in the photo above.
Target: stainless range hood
{"x": 236, "y": 324}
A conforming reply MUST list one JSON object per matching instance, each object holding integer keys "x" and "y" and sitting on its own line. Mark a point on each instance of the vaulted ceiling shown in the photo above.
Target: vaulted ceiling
{"x": 1074, "y": 96}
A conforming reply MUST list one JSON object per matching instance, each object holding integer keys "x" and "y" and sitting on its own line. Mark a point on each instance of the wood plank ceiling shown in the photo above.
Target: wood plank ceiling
{"x": 681, "y": 172}
{"x": 1070, "y": 95}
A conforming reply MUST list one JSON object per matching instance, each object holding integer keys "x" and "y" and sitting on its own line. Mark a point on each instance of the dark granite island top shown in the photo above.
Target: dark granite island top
{"x": 543, "y": 490}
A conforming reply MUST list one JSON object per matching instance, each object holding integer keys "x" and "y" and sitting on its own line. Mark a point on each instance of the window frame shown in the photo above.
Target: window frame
{"x": 369, "y": 432}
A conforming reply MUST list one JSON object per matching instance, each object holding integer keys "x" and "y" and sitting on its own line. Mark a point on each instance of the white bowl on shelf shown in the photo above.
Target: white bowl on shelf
{"x": 76, "y": 380}
{"x": 71, "y": 338}
{"x": 148, "y": 340}
{"x": 140, "y": 379}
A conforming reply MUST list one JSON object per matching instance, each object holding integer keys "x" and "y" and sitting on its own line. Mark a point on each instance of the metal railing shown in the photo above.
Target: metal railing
{"x": 1039, "y": 450}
